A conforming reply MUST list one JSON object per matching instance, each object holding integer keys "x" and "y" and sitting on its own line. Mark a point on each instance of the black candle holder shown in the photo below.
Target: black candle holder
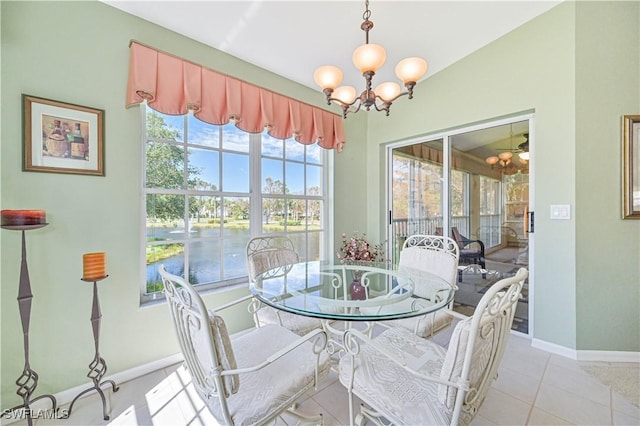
{"x": 28, "y": 380}
{"x": 97, "y": 367}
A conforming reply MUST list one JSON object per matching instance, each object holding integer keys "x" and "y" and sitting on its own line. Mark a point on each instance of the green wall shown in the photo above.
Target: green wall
{"x": 77, "y": 52}
{"x": 608, "y": 249}
{"x": 576, "y": 67}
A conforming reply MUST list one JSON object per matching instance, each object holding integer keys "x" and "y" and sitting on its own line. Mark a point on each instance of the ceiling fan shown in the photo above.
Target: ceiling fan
{"x": 523, "y": 147}
{"x": 503, "y": 160}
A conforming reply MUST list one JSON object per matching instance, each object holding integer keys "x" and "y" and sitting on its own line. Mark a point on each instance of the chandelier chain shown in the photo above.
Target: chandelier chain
{"x": 367, "y": 13}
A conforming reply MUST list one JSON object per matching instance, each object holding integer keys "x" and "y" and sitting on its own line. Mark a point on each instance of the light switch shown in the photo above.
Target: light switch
{"x": 560, "y": 211}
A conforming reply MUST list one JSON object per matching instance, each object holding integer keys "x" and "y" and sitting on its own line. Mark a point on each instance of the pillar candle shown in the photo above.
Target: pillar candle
{"x": 94, "y": 266}
{"x": 23, "y": 217}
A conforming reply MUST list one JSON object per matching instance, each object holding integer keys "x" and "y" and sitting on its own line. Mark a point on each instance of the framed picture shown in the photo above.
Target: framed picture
{"x": 631, "y": 166}
{"x": 62, "y": 138}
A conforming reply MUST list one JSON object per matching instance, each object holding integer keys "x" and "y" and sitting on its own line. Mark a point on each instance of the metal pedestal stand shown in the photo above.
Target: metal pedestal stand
{"x": 97, "y": 367}
{"x": 28, "y": 381}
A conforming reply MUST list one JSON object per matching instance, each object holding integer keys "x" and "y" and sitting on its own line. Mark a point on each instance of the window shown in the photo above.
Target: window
{"x": 209, "y": 189}
{"x": 490, "y": 212}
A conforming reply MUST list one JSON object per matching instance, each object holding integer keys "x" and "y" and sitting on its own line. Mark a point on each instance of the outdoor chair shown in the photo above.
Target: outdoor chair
{"x": 274, "y": 254}
{"x": 437, "y": 255}
{"x": 403, "y": 379}
{"x": 250, "y": 379}
{"x": 471, "y": 251}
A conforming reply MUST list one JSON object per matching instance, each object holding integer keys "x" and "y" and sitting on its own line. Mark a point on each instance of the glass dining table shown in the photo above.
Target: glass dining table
{"x": 363, "y": 291}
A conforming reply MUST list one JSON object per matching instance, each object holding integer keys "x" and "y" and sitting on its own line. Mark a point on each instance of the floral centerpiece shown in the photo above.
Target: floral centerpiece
{"x": 355, "y": 250}
{"x": 358, "y": 248}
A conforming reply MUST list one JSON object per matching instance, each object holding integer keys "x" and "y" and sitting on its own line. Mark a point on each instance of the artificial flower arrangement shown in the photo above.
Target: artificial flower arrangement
{"x": 357, "y": 248}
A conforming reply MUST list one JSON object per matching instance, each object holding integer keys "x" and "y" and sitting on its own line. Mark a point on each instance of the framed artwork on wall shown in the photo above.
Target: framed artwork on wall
{"x": 631, "y": 166}
{"x": 60, "y": 137}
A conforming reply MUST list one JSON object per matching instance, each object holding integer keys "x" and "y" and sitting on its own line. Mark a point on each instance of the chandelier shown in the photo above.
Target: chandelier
{"x": 368, "y": 58}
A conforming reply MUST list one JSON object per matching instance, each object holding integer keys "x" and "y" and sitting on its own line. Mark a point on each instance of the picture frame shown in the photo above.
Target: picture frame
{"x": 631, "y": 166}
{"x": 60, "y": 137}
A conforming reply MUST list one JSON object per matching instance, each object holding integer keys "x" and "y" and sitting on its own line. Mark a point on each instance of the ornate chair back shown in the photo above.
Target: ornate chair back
{"x": 267, "y": 253}
{"x": 477, "y": 346}
{"x": 432, "y": 253}
{"x": 203, "y": 339}
{"x": 274, "y": 256}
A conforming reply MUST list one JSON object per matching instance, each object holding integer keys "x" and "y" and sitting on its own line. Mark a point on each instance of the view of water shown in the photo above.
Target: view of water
{"x": 211, "y": 260}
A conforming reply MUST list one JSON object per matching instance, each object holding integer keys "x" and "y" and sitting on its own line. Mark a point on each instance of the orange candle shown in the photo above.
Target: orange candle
{"x": 94, "y": 266}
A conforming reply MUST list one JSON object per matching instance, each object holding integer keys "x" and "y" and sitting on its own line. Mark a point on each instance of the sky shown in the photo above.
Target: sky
{"x": 279, "y": 158}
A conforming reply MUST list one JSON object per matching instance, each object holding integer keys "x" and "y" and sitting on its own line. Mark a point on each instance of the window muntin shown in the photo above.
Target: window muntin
{"x": 200, "y": 189}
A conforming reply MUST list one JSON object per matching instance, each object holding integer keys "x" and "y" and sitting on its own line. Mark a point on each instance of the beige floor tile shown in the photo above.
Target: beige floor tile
{"x": 530, "y": 361}
{"x": 149, "y": 390}
{"x": 542, "y": 418}
{"x": 533, "y": 387}
{"x": 502, "y": 409}
{"x": 132, "y": 416}
{"x": 623, "y": 419}
{"x": 478, "y": 420}
{"x": 578, "y": 382}
{"x": 519, "y": 385}
{"x": 619, "y": 403}
{"x": 333, "y": 400}
{"x": 572, "y": 407}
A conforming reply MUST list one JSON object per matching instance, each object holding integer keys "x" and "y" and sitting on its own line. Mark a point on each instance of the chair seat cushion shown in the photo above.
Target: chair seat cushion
{"x": 382, "y": 383}
{"x": 274, "y": 387}
{"x": 427, "y": 325}
{"x": 299, "y": 324}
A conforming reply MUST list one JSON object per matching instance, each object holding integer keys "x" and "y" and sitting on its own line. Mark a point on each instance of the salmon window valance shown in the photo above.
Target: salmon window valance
{"x": 172, "y": 85}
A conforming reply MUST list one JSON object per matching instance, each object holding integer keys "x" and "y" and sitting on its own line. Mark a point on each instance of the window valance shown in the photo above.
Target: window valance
{"x": 172, "y": 85}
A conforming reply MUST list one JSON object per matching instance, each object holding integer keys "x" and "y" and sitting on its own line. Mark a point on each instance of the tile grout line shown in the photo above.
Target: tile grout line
{"x": 535, "y": 397}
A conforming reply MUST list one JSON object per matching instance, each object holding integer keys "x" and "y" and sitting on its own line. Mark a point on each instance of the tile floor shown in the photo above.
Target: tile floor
{"x": 533, "y": 388}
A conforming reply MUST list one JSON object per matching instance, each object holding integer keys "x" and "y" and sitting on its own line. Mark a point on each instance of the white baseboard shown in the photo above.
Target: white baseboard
{"x": 554, "y": 349}
{"x": 66, "y": 396}
{"x": 599, "y": 356}
{"x": 609, "y": 356}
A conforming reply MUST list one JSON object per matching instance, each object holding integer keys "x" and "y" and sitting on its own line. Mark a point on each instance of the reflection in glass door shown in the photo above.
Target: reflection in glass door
{"x": 417, "y": 192}
{"x": 475, "y": 190}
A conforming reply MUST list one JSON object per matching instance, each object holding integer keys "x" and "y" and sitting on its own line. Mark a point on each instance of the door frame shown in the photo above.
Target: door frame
{"x": 446, "y": 135}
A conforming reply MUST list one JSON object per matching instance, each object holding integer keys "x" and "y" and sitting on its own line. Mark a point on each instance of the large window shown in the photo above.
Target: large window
{"x": 209, "y": 189}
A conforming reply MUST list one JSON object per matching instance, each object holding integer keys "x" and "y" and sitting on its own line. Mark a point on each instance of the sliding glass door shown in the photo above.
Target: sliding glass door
{"x": 471, "y": 185}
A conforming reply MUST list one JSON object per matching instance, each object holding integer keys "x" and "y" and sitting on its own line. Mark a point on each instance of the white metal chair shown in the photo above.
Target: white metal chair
{"x": 403, "y": 379}
{"x": 265, "y": 254}
{"x": 250, "y": 379}
{"x": 435, "y": 254}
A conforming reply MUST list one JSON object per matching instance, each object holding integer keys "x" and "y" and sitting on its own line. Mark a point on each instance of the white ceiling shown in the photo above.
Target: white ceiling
{"x": 292, "y": 38}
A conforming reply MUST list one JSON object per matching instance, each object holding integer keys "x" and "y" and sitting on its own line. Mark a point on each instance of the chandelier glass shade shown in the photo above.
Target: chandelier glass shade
{"x": 369, "y": 58}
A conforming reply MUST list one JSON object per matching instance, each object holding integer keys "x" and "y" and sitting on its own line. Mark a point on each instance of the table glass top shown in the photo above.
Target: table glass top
{"x": 325, "y": 290}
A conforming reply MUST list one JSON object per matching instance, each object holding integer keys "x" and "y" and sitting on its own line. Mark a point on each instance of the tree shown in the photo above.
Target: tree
{"x": 273, "y": 205}
{"x": 165, "y": 169}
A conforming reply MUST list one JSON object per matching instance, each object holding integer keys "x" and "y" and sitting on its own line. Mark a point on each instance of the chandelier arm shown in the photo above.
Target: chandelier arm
{"x": 346, "y": 109}
{"x": 410, "y": 85}
{"x": 393, "y": 99}
{"x": 385, "y": 107}
{"x": 411, "y": 68}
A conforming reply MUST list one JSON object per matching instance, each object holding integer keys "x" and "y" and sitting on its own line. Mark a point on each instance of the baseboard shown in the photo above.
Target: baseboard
{"x": 554, "y": 349}
{"x": 599, "y": 356}
{"x": 609, "y": 356}
{"x": 66, "y": 396}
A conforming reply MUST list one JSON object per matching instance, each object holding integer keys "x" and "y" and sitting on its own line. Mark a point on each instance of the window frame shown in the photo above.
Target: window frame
{"x": 254, "y": 195}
